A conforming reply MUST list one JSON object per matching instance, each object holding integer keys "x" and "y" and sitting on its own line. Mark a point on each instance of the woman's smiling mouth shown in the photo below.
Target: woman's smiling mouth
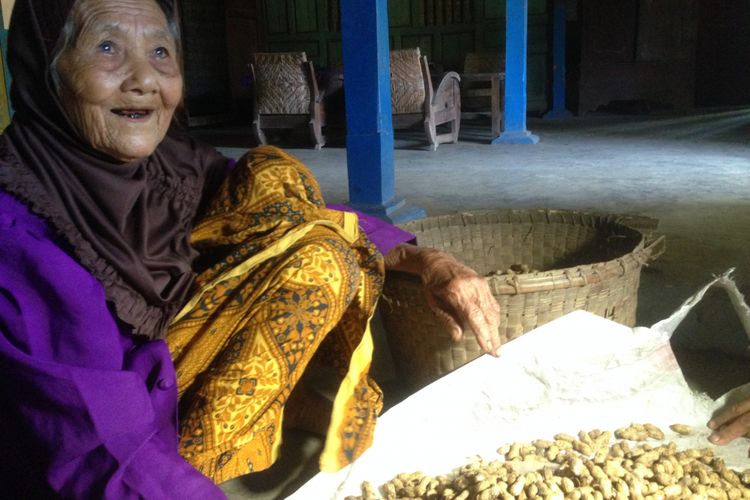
{"x": 133, "y": 114}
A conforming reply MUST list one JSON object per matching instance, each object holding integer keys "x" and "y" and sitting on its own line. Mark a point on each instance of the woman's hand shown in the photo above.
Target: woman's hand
{"x": 455, "y": 292}
{"x": 731, "y": 423}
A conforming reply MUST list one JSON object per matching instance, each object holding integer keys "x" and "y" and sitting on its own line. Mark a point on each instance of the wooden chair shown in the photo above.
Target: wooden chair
{"x": 414, "y": 100}
{"x": 482, "y": 85}
{"x": 286, "y": 95}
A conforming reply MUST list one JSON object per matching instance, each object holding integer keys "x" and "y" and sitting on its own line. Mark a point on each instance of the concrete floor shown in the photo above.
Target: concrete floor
{"x": 691, "y": 171}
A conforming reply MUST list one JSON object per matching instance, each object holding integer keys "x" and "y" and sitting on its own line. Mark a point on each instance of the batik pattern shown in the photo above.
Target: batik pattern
{"x": 243, "y": 343}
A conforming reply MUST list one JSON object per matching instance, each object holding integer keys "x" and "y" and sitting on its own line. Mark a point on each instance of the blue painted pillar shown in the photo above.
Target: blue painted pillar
{"x": 516, "y": 39}
{"x": 558, "y": 110}
{"x": 369, "y": 125}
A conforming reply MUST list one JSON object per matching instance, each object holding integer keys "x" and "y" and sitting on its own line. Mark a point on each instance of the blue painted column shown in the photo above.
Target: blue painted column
{"x": 516, "y": 39}
{"x": 369, "y": 123}
{"x": 558, "y": 110}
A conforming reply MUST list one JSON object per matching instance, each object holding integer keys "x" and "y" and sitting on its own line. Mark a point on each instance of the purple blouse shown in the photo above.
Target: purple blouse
{"x": 91, "y": 406}
{"x": 385, "y": 236}
{"x": 85, "y": 402}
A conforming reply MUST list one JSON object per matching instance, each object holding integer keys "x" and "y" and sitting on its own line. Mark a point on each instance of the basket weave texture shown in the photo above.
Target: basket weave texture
{"x": 574, "y": 260}
{"x": 407, "y": 82}
{"x": 281, "y": 83}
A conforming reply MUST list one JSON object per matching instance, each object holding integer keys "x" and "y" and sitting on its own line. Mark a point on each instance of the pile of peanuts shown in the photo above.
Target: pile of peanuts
{"x": 588, "y": 466}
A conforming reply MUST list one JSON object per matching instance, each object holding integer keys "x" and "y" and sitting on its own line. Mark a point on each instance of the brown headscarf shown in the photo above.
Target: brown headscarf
{"x": 127, "y": 223}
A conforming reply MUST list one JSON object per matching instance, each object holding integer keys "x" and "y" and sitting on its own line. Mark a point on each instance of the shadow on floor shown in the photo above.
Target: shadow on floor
{"x": 298, "y": 461}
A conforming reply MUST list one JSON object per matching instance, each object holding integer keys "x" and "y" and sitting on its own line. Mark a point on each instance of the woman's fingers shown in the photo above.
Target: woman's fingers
{"x": 730, "y": 423}
{"x": 468, "y": 301}
{"x": 730, "y": 413}
{"x": 461, "y": 298}
{"x": 451, "y": 324}
{"x": 731, "y": 431}
{"x": 487, "y": 339}
{"x": 477, "y": 321}
{"x": 484, "y": 318}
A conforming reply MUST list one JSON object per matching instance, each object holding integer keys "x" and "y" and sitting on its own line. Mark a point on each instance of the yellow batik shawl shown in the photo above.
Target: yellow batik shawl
{"x": 288, "y": 279}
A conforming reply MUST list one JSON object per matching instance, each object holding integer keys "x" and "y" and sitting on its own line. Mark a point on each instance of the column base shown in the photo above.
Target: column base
{"x": 395, "y": 212}
{"x": 516, "y": 137}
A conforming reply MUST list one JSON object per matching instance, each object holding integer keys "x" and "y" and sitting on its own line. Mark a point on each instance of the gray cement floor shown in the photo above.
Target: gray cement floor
{"x": 691, "y": 171}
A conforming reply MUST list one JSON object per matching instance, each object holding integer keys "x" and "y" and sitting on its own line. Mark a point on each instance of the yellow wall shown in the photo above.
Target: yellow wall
{"x": 7, "y": 6}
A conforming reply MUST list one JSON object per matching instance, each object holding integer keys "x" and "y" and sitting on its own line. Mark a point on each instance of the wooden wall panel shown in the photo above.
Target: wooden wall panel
{"x": 206, "y": 58}
{"x": 722, "y": 61}
{"x": 333, "y": 18}
{"x": 418, "y": 16}
{"x": 244, "y": 37}
{"x": 306, "y": 16}
{"x": 454, "y": 48}
{"x": 537, "y": 7}
{"x": 537, "y": 63}
{"x": 422, "y": 40}
{"x": 276, "y": 18}
{"x": 666, "y": 30}
{"x": 311, "y": 47}
{"x": 399, "y": 14}
{"x": 335, "y": 60}
{"x": 445, "y": 30}
{"x": 630, "y": 52}
{"x": 610, "y": 29}
{"x": 493, "y": 9}
{"x": 314, "y": 28}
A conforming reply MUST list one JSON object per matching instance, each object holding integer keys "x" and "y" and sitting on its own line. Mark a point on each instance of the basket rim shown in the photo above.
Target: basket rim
{"x": 561, "y": 278}
{"x": 469, "y": 217}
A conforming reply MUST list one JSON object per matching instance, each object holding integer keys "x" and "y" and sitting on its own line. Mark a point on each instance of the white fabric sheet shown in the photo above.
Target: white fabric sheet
{"x": 579, "y": 372}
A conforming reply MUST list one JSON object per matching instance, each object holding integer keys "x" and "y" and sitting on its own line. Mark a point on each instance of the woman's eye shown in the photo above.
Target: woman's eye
{"x": 161, "y": 52}
{"x": 106, "y": 47}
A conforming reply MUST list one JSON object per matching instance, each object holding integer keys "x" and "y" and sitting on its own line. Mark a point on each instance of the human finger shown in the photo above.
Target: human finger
{"x": 485, "y": 329}
{"x": 486, "y": 342}
{"x": 730, "y": 423}
{"x": 482, "y": 313}
{"x": 732, "y": 430}
{"x": 454, "y": 321}
{"x": 729, "y": 414}
{"x": 449, "y": 322}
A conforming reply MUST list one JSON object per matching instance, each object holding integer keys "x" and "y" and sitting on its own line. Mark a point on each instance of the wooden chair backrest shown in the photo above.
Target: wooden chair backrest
{"x": 407, "y": 81}
{"x": 281, "y": 82}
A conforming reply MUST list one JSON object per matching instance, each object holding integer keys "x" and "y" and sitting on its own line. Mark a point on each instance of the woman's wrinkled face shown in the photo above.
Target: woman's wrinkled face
{"x": 121, "y": 81}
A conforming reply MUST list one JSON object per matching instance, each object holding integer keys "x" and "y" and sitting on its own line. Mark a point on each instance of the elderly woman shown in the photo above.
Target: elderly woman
{"x": 140, "y": 269}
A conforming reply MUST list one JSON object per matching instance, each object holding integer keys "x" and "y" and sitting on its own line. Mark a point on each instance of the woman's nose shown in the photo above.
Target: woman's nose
{"x": 141, "y": 78}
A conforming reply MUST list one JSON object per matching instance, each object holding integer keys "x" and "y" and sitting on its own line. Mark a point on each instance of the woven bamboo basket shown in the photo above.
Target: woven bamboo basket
{"x": 570, "y": 260}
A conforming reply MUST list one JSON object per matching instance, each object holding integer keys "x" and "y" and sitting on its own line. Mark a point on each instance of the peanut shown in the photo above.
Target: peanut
{"x": 682, "y": 429}
{"x": 585, "y": 466}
